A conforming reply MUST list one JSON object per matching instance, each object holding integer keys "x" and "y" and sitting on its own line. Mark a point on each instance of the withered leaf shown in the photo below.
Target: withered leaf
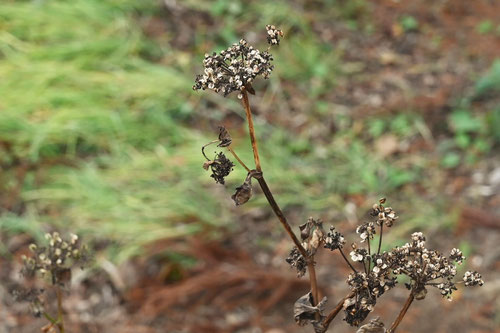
{"x": 374, "y": 326}
{"x": 224, "y": 137}
{"x": 305, "y": 312}
{"x": 312, "y": 235}
{"x": 243, "y": 192}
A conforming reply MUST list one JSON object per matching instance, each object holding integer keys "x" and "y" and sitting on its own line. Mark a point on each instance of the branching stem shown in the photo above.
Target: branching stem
{"x": 237, "y": 158}
{"x": 405, "y": 308}
{"x": 335, "y": 311}
{"x": 274, "y": 205}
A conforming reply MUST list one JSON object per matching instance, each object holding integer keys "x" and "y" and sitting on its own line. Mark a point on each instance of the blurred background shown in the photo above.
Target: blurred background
{"x": 100, "y": 135}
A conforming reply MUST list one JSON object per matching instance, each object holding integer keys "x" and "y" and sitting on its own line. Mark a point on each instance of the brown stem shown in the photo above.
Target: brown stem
{"x": 237, "y": 158}
{"x": 246, "y": 105}
{"x": 60, "y": 322}
{"x": 277, "y": 211}
{"x": 313, "y": 280}
{"x": 274, "y": 205}
{"x": 335, "y": 311}
{"x": 402, "y": 313}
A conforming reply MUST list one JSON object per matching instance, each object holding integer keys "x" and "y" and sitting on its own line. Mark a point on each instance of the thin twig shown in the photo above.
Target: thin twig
{"x": 402, "y": 313}
{"x": 246, "y": 105}
{"x": 335, "y": 311}
{"x": 369, "y": 253}
{"x": 53, "y": 321}
{"x": 237, "y": 158}
{"x": 380, "y": 239}
{"x": 347, "y": 261}
{"x": 208, "y": 144}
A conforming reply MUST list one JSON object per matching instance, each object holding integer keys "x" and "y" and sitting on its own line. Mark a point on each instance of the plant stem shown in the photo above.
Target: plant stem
{"x": 60, "y": 322}
{"x": 277, "y": 211}
{"x": 402, "y": 313}
{"x": 335, "y": 311}
{"x": 274, "y": 205}
{"x": 246, "y": 105}
{"x": 237, "y": 158}
{"x": 347, "y": 261}
{"x": 380, "y": 239}
{"x": 313, "y": 281}
{"x": 49, "y": 318}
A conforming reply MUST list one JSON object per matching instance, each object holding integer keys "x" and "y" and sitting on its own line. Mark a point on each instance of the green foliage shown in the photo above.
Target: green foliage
{"x": 490, "y": 83}
{"x": 485, "y": 27}
{"x": 409, "y": 23}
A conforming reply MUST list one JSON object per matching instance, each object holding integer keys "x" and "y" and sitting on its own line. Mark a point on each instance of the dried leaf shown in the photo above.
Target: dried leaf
{"x": 224, "y": 137}
{"x": 305, "y": 312}
{"x": 374, "y": 326}
{"x": 312, "y": 235}
{"x": 243, "y": 192}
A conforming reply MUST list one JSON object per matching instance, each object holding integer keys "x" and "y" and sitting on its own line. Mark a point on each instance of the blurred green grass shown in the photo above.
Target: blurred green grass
{"x": 106, "y": 118}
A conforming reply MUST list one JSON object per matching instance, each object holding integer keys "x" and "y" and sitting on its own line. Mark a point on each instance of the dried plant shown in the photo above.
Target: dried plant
{"x": 52, "y": 264}
{"x": 373, "y": 271}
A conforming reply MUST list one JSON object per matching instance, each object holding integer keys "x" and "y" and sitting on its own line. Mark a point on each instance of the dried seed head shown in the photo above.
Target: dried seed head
{"x": 60, "y": 256}
{"x": 334, "y": 240}
{"x": 472, "y": 279}
{"x": 296, "y": 260}
{"x": 234, "y": 69}
{"x": 273, "y": 35}
{"x": 221, "y": 167}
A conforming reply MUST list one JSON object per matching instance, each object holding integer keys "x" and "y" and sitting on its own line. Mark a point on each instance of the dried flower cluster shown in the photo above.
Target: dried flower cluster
{"x": 234, "y": 69}
{"x": 32, "y": 296}
{"x": 273, "y": 35}
{"x": 220, "y": 166}
{"x": 57, "y": 259}
{"x": 334, "y": 240}
{"x": 427, "y": 267}
{"x": 53, "y": 262}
